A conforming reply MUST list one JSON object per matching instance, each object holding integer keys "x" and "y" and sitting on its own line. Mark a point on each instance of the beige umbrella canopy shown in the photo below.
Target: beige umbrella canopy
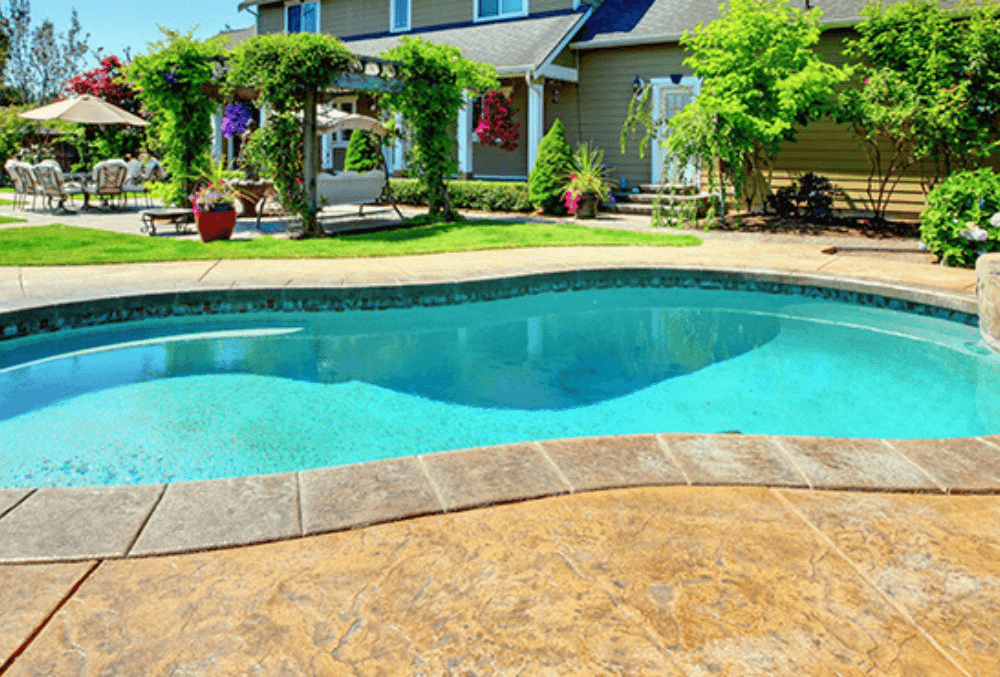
{"x": 334, "y": 120}
{"x": 85, "y": 109}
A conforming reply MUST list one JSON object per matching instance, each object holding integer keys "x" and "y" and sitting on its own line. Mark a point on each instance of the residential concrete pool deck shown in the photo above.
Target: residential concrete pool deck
{"x": 667, "y": 554}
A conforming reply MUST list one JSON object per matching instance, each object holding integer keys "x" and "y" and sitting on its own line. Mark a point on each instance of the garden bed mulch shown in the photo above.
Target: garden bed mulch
{"x": 897, "y": 240}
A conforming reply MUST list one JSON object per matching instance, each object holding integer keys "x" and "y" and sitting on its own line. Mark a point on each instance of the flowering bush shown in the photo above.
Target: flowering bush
{"x": 962, "y": 218}
{"x": 589, "y": 177}
{"x": 496, "y": 122}
{"x": 236, "y": 120}
{"x": 215, "y": 193}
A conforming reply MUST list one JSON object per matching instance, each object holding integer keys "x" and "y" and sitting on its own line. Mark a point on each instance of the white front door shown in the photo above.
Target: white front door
{"x": 669, "y": 98}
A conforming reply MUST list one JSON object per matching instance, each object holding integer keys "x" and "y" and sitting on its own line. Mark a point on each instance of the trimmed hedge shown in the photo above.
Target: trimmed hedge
{"x": 488, "y": 196}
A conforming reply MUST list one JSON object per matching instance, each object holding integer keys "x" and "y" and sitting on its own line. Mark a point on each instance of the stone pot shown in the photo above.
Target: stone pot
{"x": 588, "y": 207}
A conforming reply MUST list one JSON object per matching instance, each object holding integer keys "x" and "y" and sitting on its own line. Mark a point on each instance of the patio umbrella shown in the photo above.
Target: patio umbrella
{"x": 85, "y": 109}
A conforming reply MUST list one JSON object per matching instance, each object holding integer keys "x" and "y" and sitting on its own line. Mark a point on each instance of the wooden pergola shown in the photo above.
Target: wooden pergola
{"x": 365, "y": 74}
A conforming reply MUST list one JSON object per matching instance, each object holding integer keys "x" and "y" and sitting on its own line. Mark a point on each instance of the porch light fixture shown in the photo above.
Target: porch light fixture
{"x": 555, "y": 96}
{"x": 676, "y": 78}
{"x": 637, "y": 86}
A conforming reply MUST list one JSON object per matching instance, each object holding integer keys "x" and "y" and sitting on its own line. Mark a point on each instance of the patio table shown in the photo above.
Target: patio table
{"x": 84, "y": 179}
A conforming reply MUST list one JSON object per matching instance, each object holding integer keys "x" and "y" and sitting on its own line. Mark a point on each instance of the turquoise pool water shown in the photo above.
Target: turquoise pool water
{"x": 244, "y": 394}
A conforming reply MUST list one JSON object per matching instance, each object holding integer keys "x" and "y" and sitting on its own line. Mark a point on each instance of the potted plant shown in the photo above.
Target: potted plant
{"x": 212, "y": 203}
{"x": 588, "y": 184}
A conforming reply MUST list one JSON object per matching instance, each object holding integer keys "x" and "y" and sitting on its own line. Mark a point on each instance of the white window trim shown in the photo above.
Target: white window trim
{"x": 687, "y": 81}
{"x": 335, "y": 141}
{"x": 319, "y": 14}
{"x": 392, "y": 16}
{"x": 477, "y": 19}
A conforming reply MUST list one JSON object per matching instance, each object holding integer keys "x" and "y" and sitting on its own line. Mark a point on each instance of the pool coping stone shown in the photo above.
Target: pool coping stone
{"x": 68, "y": 524}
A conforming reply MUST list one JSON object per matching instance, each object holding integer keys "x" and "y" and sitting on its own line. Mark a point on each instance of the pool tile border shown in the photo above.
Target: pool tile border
{"x": 74, "y": 524}
{"x": 42, "y": 317}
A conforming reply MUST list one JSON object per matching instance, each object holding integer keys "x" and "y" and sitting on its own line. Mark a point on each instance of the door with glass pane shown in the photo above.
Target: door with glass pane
{"x": 668, "y": 100}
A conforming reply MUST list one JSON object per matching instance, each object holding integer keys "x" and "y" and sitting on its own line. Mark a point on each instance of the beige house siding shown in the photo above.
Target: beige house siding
{"x": 539, "y": 6}
{"x": 271, "y": 19}
{"x": 343, "y": 18}
{"x": 565, "y": 58}
{"x": 440, "y": 12}
{"x": 605, "y": 91}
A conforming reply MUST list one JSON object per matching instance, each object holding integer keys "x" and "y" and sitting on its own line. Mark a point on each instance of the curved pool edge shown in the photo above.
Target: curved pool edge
{"x": 72, "y": 524}
{"x": 69, "y": 524}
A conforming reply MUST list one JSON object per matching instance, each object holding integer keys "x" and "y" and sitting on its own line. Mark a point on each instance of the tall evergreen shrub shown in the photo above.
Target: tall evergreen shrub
{"x": 363, "y": 152}
{"x": 547, "y": 183}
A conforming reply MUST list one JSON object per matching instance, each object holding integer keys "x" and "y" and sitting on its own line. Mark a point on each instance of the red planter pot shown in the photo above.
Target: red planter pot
{"x": 216, "y": 225}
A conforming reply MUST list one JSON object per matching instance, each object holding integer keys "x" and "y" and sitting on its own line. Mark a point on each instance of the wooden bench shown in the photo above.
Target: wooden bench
{"x": 181, "y": 218}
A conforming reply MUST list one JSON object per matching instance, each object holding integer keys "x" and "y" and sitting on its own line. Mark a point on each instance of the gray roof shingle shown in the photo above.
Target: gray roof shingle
{"x": 510, "y": 46}
{"x": 622, "y": 21}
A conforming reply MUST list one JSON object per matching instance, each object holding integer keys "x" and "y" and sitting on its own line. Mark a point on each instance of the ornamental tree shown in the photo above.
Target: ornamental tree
{"x": 761, "y": 81}
{"x": 288, "y": 71}
{"x": 364, "y": 152}
{"x": 169, "y": 81}
{"x": 109, "y": 82}
{"x": 435, "y": 78}
{"x": 548, "y": 178}
{"x": 927, "y": 86}
{"x": 496, "y": 122}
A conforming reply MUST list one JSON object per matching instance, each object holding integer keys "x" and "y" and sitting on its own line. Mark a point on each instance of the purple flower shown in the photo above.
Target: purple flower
{"x": 170, "y": 77}
{"x": 237, "y": 118}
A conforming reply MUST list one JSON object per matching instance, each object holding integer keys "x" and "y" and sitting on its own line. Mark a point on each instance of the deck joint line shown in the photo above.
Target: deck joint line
{"x": 210, "y": 269}
{"x": 671, "y": 457}
{"x": 433, "y": 484}
{"x": 17, "y": 503}
{"x": 142, "y": 527}
{"x": 791, "y": 460}
{"x": 45, "y": 621}
{"x": 944, "y": 489}
{"x": 559, "y": 473}
{"x": 899, "y": 608}
{"x": 20, "y": 281}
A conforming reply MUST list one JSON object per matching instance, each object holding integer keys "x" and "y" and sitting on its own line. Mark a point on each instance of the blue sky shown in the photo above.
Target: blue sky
{"x": 120, "y": 23}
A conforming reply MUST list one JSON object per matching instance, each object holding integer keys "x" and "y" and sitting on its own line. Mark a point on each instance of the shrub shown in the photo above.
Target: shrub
{"x": 499, "y": 196}
{"x": 363, "y": 152}
{"x": 956, "y": 224}
{"x": 810, "y": 198}
{"x": 547, "y": 183}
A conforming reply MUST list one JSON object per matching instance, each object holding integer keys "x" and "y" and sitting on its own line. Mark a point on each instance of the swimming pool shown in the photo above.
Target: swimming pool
{"x": 208, "y": 387}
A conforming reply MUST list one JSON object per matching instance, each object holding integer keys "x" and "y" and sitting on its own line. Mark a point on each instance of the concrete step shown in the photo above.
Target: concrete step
{"x": 679, "y": 188}
{"x": 642, "y": 203}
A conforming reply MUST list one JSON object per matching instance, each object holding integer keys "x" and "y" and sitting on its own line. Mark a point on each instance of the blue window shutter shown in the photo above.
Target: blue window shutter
{"x": 401, "y": 14}
{"x": 309, "y": 17}
{"x": 489, "y": 8}
{"x": 294, "y": 19}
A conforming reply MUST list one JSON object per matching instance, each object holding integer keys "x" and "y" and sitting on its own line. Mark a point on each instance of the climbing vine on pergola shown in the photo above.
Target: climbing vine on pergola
{"x": 288, "y": 71}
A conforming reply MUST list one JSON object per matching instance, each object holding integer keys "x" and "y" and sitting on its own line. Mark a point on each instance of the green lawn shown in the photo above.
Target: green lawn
{"x": 70, "y": 245}
{"x": 10, "y": 219}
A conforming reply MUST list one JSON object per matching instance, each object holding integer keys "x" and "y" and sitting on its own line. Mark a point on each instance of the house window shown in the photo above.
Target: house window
{"x": 303, "y": 18}
{"x": 399, "y": 15}
{"x": 499, "y": 9}
{"x": 343, "y": 137}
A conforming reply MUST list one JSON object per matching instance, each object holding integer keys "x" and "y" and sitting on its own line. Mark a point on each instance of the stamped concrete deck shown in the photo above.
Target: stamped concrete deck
{"x": 665, "y": 554}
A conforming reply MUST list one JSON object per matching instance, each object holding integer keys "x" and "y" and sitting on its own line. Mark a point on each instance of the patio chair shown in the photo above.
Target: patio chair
{"x": 30, "y": 182}
{"x": 135, "y": 181}
{"x": 50, "y": 179}
{"x": 15, "y": 177}
{"x": 155, "y": 171}
{"x": 109, "y": 177}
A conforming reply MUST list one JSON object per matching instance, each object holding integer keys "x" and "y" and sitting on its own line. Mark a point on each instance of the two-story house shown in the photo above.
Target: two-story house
{"x": 580, "y": 61}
